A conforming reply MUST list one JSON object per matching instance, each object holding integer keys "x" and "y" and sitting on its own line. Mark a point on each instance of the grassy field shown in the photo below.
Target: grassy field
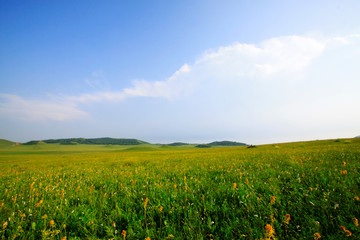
{"x": 282, "y": 191}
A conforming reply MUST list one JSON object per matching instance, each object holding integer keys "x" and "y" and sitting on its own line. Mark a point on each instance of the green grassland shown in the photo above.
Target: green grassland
{"x": 298, "y": 190}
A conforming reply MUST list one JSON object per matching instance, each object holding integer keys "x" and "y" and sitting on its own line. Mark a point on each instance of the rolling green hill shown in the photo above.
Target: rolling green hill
{"x": 96, "y": 141}
{"x": 4, "y": 143}
{"x": 122, "y": 141}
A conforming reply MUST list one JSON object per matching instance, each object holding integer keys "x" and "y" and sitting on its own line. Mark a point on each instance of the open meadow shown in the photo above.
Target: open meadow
{"x": 304, "y": 190}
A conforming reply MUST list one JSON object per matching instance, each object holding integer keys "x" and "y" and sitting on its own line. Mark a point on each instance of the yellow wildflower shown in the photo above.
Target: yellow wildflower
{"x": 39, "y": 203}
{"x": 146, "y": 202}
{"x": 123, "y": 233}
{"x": 287, "y": 218}
{"x": 317, "y": 236}
{"x": 64, "y": 238}
{"x": 52, "y": 223}
{"x": 161, "y": 208}
{"x": 356, "y": 198}
{"x": 234, "y": 186}
{"x": 5, "y": 224}
{"x": 147, "y": 238}
{"x": 272, "y": 200}
{"x": 344, "y": 163}
{"x": 269, "y": 231}
{"x": 246, "y": 181}
{"x": 356, "y": 222}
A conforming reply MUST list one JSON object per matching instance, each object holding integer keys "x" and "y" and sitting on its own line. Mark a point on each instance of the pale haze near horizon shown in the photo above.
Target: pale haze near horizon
{"x": 185, "y": 71}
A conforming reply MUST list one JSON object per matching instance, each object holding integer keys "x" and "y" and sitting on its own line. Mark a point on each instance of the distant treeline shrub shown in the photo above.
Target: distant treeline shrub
{"x": 203, "y": 146}
{"x": 34, "y": 143}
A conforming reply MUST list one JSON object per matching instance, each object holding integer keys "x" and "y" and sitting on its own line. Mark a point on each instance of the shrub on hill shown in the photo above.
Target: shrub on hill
{"x": 178, "y": 144}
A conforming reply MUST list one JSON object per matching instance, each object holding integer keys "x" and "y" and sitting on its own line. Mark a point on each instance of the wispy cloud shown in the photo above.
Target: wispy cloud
{"x": 169, "y": 89}
{"x": 38, "y": 110}
{"x": 277, "y": 55}
{"x": 271, "y": 58}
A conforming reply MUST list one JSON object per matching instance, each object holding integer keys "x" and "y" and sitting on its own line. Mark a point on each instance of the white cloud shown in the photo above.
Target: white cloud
{"x": 38, "y": 110}
{"x": 272, "y": 58}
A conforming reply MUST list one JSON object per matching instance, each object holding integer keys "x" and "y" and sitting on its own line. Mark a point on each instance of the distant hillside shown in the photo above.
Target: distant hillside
{"x": 227, "y": 143}
{"x": 177, "y": 144}
{"x": 4, "y": 142}
{"x": 221, "y": 143}
{"x": 97, "y": 141}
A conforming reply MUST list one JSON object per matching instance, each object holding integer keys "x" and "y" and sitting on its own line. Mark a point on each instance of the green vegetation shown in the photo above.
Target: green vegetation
{"x": 35, "y": 143}
{"x": 283, "y": 191}
{"x": 227, "y": 143}
{"x": 203, "y": 146}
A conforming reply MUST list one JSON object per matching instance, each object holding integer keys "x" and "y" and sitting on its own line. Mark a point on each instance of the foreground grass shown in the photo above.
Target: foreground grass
{"x": 284, "y": 191}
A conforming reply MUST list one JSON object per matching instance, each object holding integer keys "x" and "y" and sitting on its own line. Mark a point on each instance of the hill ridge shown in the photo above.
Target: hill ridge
{"x": 96, "y": 141}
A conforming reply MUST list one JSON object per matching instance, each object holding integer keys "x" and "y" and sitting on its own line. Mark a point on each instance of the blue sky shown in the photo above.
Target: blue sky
{"x": 193, "y": 71}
